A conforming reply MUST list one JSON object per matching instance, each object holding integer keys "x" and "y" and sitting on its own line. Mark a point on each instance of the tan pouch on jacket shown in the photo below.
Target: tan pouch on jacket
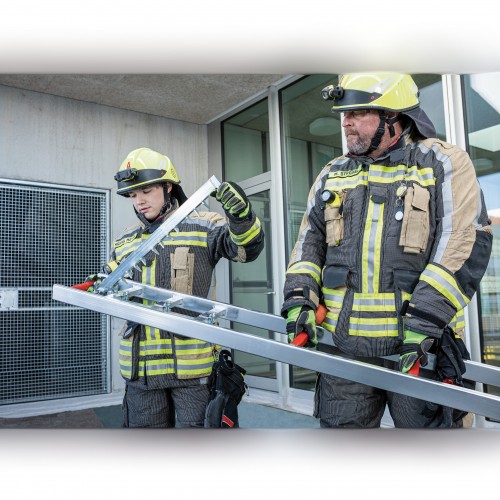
{"x": 334, "y": 220}
{"x": 415, "y": 224}
{"x": 182, "y": 267}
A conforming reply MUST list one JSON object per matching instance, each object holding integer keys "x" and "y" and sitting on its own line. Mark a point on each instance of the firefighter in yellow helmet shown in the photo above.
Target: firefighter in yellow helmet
{"x": 165, "y": 373}
{"x": 394, "y": 243}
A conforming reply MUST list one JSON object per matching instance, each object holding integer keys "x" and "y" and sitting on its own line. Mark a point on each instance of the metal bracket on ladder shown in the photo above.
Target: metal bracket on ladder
{"x": 156, "y": 308}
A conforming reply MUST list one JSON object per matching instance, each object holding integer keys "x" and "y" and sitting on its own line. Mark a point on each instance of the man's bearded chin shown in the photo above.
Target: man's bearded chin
{"x": 357, "y": 146}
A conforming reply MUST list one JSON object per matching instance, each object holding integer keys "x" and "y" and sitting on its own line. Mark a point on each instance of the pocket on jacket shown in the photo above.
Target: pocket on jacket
{"x": 335, "y": 276}
{"x": 415, "y": 225}
{"x": 334, "y": 226}
{"x": 334, "y": 220}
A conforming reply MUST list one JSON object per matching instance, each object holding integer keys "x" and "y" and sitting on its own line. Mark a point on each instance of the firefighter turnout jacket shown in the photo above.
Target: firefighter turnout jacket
{"x": 185, "y": 263}
{"x": 409, "y": 226}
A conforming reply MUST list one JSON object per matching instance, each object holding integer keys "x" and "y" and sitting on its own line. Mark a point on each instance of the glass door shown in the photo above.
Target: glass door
{"x": 246, "y": 160}
{"x": 252, "y": 287}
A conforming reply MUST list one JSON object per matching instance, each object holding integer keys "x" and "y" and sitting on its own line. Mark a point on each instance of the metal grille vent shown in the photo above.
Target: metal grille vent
{"x": 49, "y": 235}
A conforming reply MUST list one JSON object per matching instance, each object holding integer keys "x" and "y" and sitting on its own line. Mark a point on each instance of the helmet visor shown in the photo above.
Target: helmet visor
{"x": 132, "y": 178}
{"x": 346, "y": 99}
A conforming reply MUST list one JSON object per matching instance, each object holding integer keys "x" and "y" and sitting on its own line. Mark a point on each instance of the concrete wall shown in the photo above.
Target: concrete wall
{"x": 51, "y": 139}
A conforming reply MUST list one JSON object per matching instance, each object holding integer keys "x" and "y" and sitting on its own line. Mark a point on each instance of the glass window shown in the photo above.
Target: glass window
{"x": 431, "y": 100}
{"x": 311, "y": 137}
{"x": 246, "y": 156}
{"x": 482, "y": 106}
{"x": 246, "y": 143}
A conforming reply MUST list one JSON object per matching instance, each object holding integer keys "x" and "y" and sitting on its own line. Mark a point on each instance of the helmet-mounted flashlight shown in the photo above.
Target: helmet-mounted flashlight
{"x": 332, "y": 93}
{"x": 126, "y": 175}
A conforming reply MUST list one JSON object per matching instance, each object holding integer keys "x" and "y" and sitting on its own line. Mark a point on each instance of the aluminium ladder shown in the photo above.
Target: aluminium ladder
{"x": 152, "y": 306}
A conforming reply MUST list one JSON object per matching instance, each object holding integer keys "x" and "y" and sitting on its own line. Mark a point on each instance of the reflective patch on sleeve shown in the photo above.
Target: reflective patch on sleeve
{"x": 306, "y": 268}
{"x": 445, "y": 284}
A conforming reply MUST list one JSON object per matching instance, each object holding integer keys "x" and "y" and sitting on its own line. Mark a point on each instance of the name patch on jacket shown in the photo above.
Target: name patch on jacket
{"x": 345, "y": 173}
{"x": 123, "y": 241}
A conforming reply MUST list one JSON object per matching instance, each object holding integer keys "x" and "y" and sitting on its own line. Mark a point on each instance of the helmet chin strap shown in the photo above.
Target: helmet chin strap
{"x": 167, "y": 206}
{"x": 377, "y": 138}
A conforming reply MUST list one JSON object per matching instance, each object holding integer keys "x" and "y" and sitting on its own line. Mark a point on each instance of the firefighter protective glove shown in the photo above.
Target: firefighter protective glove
{"x": 96, "y": 280}
{"x": 301, "y": 319}
{"x": 233, "y": 199}
{"x": 451, "y": 353}
{"x": 415, "y": 348}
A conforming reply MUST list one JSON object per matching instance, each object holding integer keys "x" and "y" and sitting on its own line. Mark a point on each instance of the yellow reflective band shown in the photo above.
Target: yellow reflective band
{"x": 195, "y": 363}
{"x": 382, "y": 302}
{"x": 446, "y": 284}
{"x": 195, "y": 351}
{"x": 458, "y": 321}
{"x": 183, "y": 238}
{"x": 306, "y": 268}
{"x": 333, "y": 298}
{"x": 112, "y": 265}
{"x": 195, "y": 373}
{"x": 192, "y": 342}
{"x": 151, "y": 350}
{"x": 388, "y": 175}
{"x": 370, "y": 327}
{"x": 377, "y": 249}
{"x": 126, "y": 249}
{"x": 330, "y": 322}
{"x": 372, "y": 243}
{"x": 157, "y": 367}
{"x": 243, "y": 239}
{"x": 385, "y": 175}
{"x": 366, "y": 247}
{"x": 185, "y": 242}
{"x": 424, "y": 176}
{"x": 191, "y": 238}
{"x": 373, "y": 321}
{"x": 148, "y": 277}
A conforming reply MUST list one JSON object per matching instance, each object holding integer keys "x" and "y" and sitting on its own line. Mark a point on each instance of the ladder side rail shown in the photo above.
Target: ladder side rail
{"x": 383, "y": 378}
{"x": 479, "y": 372}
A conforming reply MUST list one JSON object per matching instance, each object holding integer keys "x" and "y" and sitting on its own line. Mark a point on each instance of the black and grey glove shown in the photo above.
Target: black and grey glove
{"x": 233, "y": 199}
{"x": 451, "y": 354}
{"x": 414, "y": 349}
{"x": 301, "y": 319}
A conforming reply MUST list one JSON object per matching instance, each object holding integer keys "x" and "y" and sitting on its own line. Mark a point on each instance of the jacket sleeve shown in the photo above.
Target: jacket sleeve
{"x": 303, "y": 275}
{"x": 239, "y": 240}
{"x": 461, "y": 248}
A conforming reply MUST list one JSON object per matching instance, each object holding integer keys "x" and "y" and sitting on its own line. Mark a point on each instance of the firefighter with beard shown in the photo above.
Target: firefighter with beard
{"x": 394, "y": 243}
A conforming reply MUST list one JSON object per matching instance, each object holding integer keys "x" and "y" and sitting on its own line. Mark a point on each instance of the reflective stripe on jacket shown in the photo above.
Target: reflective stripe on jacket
{"x": 185, "y": 264}
{"x": 410, "y": 225}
